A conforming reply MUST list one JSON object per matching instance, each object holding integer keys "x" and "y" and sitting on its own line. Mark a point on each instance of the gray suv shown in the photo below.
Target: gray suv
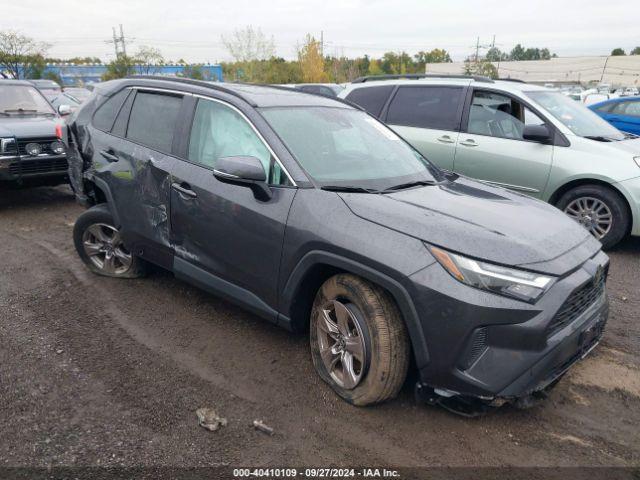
{"x": 319, "y": 218}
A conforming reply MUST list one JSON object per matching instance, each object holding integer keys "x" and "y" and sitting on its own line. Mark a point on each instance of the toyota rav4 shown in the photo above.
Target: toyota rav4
{"x": 319, "y": 218}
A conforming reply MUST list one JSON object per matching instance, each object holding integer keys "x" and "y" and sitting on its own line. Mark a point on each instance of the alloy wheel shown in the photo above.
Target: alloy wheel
{"x": 591, "y": 213}
{"x": 103, "y": 245}
{"x": 342, "y": 345}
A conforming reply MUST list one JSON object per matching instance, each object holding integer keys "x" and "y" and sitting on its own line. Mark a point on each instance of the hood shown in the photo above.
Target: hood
{"x": 482, "y": 221}
{"x": 20, "y": 126}
{"x": 631, "y": 146}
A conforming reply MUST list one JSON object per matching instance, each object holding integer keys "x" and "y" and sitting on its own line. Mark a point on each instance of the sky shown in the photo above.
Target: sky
{"x": 193, "y": 29}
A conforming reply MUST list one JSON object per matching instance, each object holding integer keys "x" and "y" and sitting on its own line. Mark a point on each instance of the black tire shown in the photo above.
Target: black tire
{"x": 385, "y": 338}
{"x": 614, "y": 202}
{"x": 99, "y": 215}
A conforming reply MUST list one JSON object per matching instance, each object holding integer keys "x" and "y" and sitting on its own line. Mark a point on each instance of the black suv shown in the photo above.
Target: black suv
{"x": 31, "y": 146}
{"x": 318, "y": 217}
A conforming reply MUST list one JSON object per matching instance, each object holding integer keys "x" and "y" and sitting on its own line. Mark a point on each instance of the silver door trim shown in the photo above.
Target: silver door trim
{"x": 512, "y": 187}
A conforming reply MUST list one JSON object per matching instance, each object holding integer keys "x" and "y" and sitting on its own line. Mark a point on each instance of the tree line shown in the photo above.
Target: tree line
{"x": 255, "y": 60}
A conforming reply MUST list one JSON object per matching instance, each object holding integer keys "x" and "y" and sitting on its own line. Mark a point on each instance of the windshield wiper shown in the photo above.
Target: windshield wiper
{"x": 348, "y": 188}
{"x": 599, "y": 138}
{"x": 415, "y": 183}
{"x": 20, "y": 110}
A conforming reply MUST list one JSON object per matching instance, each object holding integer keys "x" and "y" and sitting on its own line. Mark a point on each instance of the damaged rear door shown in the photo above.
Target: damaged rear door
{"x": 139, "y": 159}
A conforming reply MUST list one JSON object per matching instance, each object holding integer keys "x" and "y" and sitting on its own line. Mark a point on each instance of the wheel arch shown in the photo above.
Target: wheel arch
{"x": 99, "y": 192}
{"x": 580, "y": 182}
{"x": 316, "y": 267}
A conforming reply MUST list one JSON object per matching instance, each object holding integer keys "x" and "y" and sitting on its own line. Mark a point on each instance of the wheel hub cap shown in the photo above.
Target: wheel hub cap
{"x": 104, "y": 247}
{"x": 591, "y": 213}
{"x": 342, "y": 346}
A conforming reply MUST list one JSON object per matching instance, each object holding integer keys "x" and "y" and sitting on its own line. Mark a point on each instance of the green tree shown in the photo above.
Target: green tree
{"x": 21, "y": 56}
{"x": 437, "y": 55}
{"x": 635, "y": 51}
{"x": 617, "y": 52}
{"x": 482, "y": 67}
{"x": 193, "y": 71}
{"x": 122, "y": 66}
{"x": 148, "y": 60}
{"x": 375, "y": 68}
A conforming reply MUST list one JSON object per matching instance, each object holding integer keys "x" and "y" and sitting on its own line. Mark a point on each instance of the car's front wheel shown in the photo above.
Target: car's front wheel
{"x": 100, "y": 246}
{"x": 359, "y": 342}
{"x": 600, "y": 210}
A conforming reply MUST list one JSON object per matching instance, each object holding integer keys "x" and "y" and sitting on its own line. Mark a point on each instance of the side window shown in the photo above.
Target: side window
{"x": 497, "y": 115}
{"x": 106, "y": 113}
{"x": 120, "y": 125}
{"x": 153, "y": 119}
{"x": 372, "y": 99}
{"x": 633, "y": 109}
{"x": 607, "y": 108}
{"x": 426, "y": 107}
{"x": 219, "y": 131}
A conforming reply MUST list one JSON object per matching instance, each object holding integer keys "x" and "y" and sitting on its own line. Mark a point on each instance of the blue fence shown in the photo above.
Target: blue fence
{"x": 84, "y": 74}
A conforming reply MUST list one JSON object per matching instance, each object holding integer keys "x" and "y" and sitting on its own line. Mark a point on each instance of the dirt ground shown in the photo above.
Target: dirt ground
{"x": 97, "y": 371}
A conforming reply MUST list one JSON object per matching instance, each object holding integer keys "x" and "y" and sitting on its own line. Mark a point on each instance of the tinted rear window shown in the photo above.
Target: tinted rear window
{"x": 106, "y": 113}
{"x": 426, "y": 107}
{"x": 372, "y": 99}
{"x": 153, "y": 120}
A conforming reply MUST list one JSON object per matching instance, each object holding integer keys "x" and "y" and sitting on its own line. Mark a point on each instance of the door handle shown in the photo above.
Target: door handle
{"x": 109, "y": 155}
{"x": 445, "y": 139}
{"x": 184, "y": 189}
{"x": 469, "y": 142}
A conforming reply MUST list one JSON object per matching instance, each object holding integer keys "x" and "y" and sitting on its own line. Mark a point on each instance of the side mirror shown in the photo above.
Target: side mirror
{"x": 244, "y": 170}
{"x": 536, "y": 133}
{"x": 64, "y": 110}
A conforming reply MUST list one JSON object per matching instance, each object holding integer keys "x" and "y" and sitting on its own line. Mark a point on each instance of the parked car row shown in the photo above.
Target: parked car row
{"x": 523, "y": 137}
{"x": 31, "y": 136}
{"x": 317, "y": 216}
{"x": 623, "y": 113}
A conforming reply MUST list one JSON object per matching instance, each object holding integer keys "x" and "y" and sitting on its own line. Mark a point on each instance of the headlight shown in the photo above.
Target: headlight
{"x": 637, "y": 160}
{"x": 510, "y": 282}
{"x": 57, "y": 147}
{"x": 8, "y": 146}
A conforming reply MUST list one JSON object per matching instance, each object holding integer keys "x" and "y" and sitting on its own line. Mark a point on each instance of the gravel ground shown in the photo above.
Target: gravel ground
{"x": 97, "y": 371}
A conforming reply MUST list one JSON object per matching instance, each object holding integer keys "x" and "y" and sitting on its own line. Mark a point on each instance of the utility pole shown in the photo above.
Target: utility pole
{"x": 322, "y": 43}
{"x": 124, "y": 45}
{"x": 477, "y": 48}
{"x": 118, "y": 41}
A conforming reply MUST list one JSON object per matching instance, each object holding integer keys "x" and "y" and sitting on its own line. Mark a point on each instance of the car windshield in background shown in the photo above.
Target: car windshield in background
{"x": 344, "y": 147}
{"x": 21, "y": 99}
{"x": 578, "y": 118}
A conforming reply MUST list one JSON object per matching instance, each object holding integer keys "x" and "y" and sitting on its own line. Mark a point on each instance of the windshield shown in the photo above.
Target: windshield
{"x": 575, "y": 116}
{"x": 22, "y": 99}
{"x": 340, "y": 146}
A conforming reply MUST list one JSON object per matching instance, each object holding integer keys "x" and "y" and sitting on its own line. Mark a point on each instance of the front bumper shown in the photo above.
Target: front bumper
{"x": 22, "y": 168}
{"x": 493, "y": 348}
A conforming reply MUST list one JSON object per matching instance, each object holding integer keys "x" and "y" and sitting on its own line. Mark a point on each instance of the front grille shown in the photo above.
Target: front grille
{"x": 579, "y": 301}
{"x": 45, "y": 144}
{"x": 38, "y": 165}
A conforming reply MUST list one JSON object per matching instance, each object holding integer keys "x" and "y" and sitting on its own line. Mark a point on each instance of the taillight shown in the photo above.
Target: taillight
{"x": 58, "y": 131}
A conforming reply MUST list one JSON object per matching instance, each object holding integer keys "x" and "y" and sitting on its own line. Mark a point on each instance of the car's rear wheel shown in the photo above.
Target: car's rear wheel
{"x": 600, "y": 210}
{"x": 100, "y": 246}
{"x": 359, "y": 343}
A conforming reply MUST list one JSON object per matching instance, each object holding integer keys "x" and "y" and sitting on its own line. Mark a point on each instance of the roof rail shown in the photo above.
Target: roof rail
{"x": 196, "y": 83}
{"x": 417, "y": 76}
{"x": 517, "y": 80}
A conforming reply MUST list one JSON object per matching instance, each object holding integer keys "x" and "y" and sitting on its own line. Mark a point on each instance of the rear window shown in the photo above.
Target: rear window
{"x": 106, "y": 114}
{"x": 426, "y": 107}
{"x": 372, "y": 99}
{"x": 153, "y": 120}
